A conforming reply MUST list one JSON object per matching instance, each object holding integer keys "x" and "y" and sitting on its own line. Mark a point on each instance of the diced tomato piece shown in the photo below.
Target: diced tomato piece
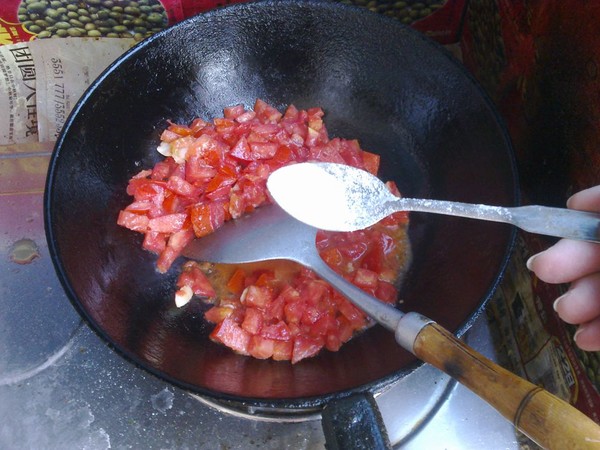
{"x": 365, "y": 279}
{"x": 169, "y": 223}
{"x": 257, "y": 296}
{"x": 180, "y": 186}
{"x": 371, "y": 162}
{"x": 328, "y": 152}
{"x": 310, "y": 315}
{"x": 275, "y": 308}
{"x": 291, "y": 113}
{"x": 169, "y": 135}
{"x": 313, "y": 291}
{"x": 200, "y": 215}
{"x": 263, "y": 150}
{"x": 282, "y": 350}
{"x": 140, "y": 206}
{"x": 294, "y": 311}
{"x": 155, "y": 242}
{"x": 193, "y": 276}
{"x": 265, "y": 112}
{"x": 217, "y": 314}
{"x": 332, "y": 257}
{"x": 345, "y": 329}
{"x": 253, "y": 320}
{"x": 232, "y": 335}
{"x": 162, "y": 170}
{"x": 197, "y": 170}
{"x": 236, "y": 285}
{"x": 197, "y": 126}
{"x": 279, "y": 331}
{"x": 220, "y": 180}
{"x": 352, "y": 314}
{"x": 261, "y": 347}
{"x": 133, "y": 221}
{"x": 175, "y": 245}
{"x": 207, "y": 217}
{"x": 210, "y": 149}
{"x": 222, "y": 125}
{"x": 305, "y": 347}
{"x": 265, "y": 278}
{"x": 232, "y": 112}
{"x": 387, "y": 292}
{"x": 181, "y": 130}
{"x": 333, "y": 342}
{"x": 323, "y": 325}
{"x": 241, "y": 150}
{"x": 180, "y": 239}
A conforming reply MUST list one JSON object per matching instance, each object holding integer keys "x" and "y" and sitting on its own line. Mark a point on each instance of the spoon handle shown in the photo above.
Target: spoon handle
{"x": 549, "y": 221}
{"x": 546, "y": 419}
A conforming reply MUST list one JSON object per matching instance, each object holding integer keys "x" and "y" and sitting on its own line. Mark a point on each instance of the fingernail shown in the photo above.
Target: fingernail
{"x": 577, "y": 333}
{"x": 529, "y": 262}
{"x": 569, "y": 200}
{"x": 558, "y": 300}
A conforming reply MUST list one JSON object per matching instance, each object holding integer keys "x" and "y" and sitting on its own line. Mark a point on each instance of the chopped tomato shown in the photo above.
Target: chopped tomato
{"x": 232, "y": 335}
{"x": 133, "y": 221}
{"x": 236, "y": 282}
{"x": 217, "y": 314}
{"x": 216, "y": 171}
{"x": 305, "y": 347}
{"x": 193, "y": 277}
{"x": 253, "y": 320}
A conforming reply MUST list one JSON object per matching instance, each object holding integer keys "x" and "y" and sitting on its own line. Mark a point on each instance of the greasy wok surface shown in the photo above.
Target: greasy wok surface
{"x": 401, "y": 95}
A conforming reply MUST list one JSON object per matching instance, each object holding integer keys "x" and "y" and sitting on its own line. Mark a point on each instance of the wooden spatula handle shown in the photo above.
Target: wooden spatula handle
{"x": 546, "y": 419}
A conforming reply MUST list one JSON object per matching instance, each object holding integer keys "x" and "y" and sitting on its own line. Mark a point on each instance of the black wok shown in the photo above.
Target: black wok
{"x": 400, "y": 94}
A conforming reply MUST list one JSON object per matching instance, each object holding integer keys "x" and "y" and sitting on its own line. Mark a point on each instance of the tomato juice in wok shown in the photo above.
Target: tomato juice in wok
{"x": 216, "y": 171}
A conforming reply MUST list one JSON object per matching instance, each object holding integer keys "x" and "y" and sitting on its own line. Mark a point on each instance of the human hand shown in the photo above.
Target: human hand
{"x": 577, "y": 263}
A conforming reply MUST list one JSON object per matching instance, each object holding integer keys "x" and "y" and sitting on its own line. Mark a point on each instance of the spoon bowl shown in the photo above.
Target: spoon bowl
{"x": 344, "y": 198}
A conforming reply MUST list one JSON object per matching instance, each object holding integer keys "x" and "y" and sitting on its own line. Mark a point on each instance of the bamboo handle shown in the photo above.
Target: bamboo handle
{"x": 549, "y": 421}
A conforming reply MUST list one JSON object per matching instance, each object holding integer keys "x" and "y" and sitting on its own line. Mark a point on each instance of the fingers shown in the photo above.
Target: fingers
{"x": 578, "y": 263}
{"x": 566, "y": 261}
{"x": 581, "y": 303}
{"x": 586, "y": 200}
{"x": 587, "y": 336}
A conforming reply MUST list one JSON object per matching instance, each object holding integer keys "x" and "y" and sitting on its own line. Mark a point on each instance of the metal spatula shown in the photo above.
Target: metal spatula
{"x": 270, "y": 233}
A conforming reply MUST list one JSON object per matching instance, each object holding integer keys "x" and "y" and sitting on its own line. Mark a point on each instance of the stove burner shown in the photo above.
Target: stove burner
{"x": 405, "y": 405}
{"x": 260, "y": 414}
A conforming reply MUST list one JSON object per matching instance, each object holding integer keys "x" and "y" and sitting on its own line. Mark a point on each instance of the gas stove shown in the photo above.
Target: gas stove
{"x": 62, "y": 387}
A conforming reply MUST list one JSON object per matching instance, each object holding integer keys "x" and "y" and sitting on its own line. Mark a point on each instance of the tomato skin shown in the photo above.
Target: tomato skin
{"x": 217, "y": 172}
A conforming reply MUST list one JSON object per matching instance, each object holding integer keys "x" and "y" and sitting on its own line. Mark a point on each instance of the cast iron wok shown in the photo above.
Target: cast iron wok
{"x": 400, "y": 94}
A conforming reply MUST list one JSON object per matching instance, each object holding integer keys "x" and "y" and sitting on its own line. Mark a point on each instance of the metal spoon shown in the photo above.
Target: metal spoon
{"x": 270, "y": 234}
{"x": 338, "y": 197}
